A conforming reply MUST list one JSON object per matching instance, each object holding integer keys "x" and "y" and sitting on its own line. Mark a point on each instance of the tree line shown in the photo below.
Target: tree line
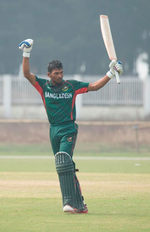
{"x": 69, "y": 30}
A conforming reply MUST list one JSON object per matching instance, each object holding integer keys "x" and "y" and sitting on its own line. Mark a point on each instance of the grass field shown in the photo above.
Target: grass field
{"x": 88, "y": 149}
{"x": 117, "y": 193}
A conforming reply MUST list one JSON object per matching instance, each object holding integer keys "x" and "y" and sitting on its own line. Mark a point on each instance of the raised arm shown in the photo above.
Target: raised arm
{"x": 98, "y": 84}
{"x": 114, "y": 66}
{"x": 26, "y": 47}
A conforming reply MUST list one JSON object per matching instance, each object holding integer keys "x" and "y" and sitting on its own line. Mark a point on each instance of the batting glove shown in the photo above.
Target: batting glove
{"x": 26, "y": 47}
{"x": 114, "y": 66}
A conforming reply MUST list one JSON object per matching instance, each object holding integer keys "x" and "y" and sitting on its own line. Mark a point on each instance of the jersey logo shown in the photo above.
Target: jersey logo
{"x": 69, "y": 139}
{"x": 65, "y": 88}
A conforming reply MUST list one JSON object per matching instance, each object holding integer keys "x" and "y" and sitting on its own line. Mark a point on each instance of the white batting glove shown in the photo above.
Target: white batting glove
{"x": 114, "y": 66}
{"x": 26, "y": 47}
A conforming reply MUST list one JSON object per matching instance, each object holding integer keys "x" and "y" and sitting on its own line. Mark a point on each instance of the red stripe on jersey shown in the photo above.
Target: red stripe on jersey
{"x": 79, "y": 91}
{"x": 40, "y": 90}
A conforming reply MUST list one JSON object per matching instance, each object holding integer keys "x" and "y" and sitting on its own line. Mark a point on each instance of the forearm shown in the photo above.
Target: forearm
{"x": 26, "y": 66}
{"x": 26, "y": 70}
{"x": 98, "y": 84}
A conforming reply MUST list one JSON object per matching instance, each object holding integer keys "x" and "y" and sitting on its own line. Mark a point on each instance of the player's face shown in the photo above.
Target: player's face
{"x": 56, "y": 76}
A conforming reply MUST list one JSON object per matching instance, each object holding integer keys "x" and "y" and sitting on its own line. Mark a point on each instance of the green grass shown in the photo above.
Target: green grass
{"x": 24, "y": 149}
{"x": 100, "y": 166}
{"x": 117, "y": 193}
{"x": 81, "y": 150}
{"x": 36, "y": 215}
{"x": 117, "y": 203}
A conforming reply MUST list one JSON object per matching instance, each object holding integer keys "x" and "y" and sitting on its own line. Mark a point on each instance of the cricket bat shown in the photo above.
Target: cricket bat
{"x": 108, "y": 41}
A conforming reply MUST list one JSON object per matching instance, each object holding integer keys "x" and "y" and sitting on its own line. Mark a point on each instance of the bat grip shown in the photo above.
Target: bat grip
{"x": 117, "y": 77}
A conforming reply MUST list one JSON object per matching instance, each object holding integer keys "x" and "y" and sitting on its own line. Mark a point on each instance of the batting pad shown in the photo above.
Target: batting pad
{"x": 67, "y": 179}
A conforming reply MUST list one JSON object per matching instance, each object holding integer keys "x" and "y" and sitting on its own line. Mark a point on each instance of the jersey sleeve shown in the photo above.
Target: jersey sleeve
{"x": 79, "y": 86}
{"x": 40, "y": 81}
{"x": 39, "y": 85}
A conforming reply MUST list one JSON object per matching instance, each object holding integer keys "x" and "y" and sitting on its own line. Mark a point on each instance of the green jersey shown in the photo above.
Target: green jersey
{"x": 59, "y": 100}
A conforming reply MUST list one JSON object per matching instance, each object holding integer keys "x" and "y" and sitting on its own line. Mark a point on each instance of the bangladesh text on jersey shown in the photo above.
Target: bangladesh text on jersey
{"x": 59, "y": 100}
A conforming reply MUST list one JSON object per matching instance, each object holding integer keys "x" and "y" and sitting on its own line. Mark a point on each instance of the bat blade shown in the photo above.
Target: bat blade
{"x": 108, "y": 40}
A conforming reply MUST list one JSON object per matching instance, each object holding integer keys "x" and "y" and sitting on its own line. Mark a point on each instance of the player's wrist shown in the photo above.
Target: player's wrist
{"x": 110, "y": 74}
{"x": 26, "y": 54}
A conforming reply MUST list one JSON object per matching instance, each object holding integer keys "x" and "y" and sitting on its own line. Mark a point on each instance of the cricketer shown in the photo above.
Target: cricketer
{"x": 59, "y": 97}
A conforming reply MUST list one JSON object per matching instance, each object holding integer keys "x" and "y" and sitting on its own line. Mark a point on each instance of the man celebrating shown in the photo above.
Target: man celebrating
{"x": 59, "y": 98}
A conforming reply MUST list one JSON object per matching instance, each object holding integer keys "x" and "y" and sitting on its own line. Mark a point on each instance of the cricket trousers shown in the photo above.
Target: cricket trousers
{"x": 63, "y": 139}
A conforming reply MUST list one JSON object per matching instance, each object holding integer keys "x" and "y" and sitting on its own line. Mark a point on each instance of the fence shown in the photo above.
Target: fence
{"x": 24, "y": 93}
{"x": 129, "y": 92}
{"x": 16, "y": 91}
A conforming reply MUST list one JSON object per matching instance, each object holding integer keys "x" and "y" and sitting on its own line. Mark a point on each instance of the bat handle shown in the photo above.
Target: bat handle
{"x": 117, "y": 77}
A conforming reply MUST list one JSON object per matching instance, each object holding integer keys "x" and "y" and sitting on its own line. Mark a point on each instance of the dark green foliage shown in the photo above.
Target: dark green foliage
{"x": 69, "y": 30}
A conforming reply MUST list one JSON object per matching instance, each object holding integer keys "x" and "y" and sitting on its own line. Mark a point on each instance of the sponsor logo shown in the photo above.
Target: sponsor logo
{"x": 65, "y": 89}
{"x": 69, "y": 139}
